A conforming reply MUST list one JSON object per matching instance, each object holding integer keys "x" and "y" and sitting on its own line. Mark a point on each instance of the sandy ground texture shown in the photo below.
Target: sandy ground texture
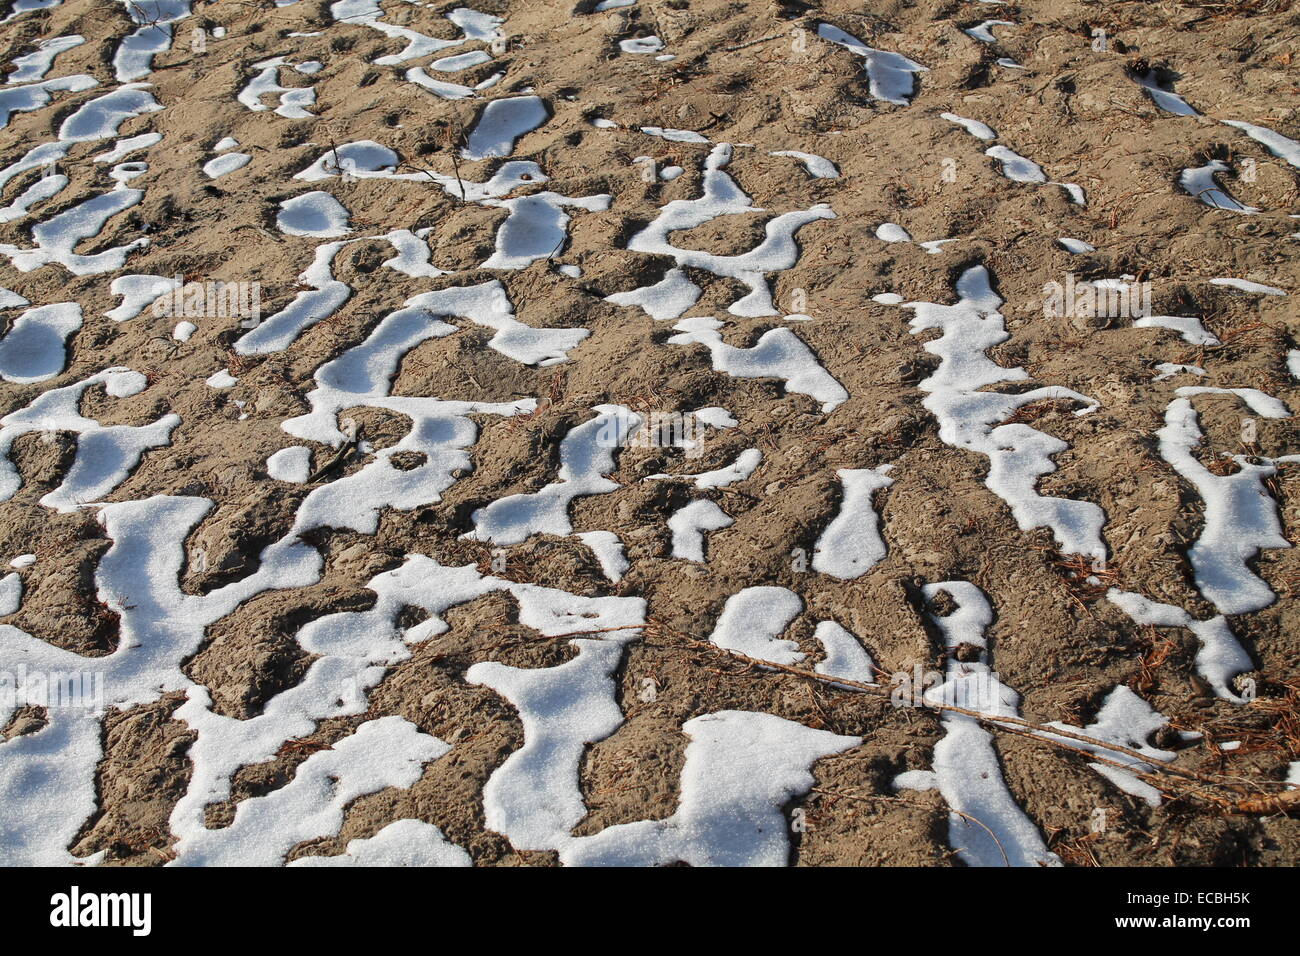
{"x": 336, "y": 652}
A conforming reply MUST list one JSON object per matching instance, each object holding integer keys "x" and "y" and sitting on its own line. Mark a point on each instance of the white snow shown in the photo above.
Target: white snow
{"x": 47, "y": 187}
{"x": 1277, "y": 144}
{"x": 106, "y": 455}
{"x": 403, "y": 843}
{"x": 650, "y": 44}
{"x": 608, "y": 549}
{"x": 892, "y": 232}
{"x": 967, "y": 771}
{"x": 226, "y": 163}
{"x": 753, "y": 620}
{"x": 100, "y": 118}
{"x": 722, "y": 196}
{"x": 1199, "y": 181}
{"x": 11, "y": 597}
{"x": 819, "y": 167}
{"x": 502, "y": 123}
{"x": 890, "y": 76}
{"x": 323, "y": 298}
{"x": 315, "y": 214}
{"x": 1240, "y": 516}
{"x": 290, "y": 464}
{"x": 533, "y": 797}
{"x": 586, "y": 459}
{"x": 741, "y": 769}
{"x": 740, "y": 469}
{"x": 440, "y": 430}
{"x": 33, "y": 66}
{"x": 974, "y": 127}
{"x": 851, "y": 544}
{"x": 668, "y": 298}
{"x": 1127, "y": 720}
{"x": 1219, "y": 658}
{"x": 845, "y": 657}
{"x": 388, "y": 752}
{"x": 1016, "y": 167}
{"x": 1189, "y": 327}
{"x": 35, "y": 347}
{"x": 673, "y": 135}
{"x": 984, "y": 31}
{"x": 1162, "y": 94}
{"x": 969, "y": 417}
{"x": 690, "y": 523}
{"x": 57, "y": 237}
{"x": 292, "y": 102}
{"x": 778, "y": 353}
{"x": 1166, "y": 370}
{"x": 1245, "y": 285}
{"x": 537, "y": 227}
{"x": 125, "y": 147}
{"x": 461, "y": 61}
{"x": 34, "y": 96}
{"x": 1076, "y": 246}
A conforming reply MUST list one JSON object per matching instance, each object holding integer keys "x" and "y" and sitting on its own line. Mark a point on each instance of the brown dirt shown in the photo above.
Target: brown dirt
{"x": 737, "y": 79}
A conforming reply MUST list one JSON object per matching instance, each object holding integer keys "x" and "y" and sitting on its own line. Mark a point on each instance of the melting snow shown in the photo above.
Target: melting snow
{"x": 668, "y": 298}
{"x": 290, "y": 464}
{"x": 404, "y": 843}
{"x": 722, "y": 197}
{"x": 313, "y": 214}
{"x": 586, "y": 459}
{"x": 24, "y": 99}
{"x": 34, "y": 65}
{"x": 778, "y": 353}
{"x": 1162, "y": 94}
{"x": 650, "y": 44}
{"x": 753, "y": 620}
{"x": 1220, "y": 657}
{"x": 100, "y": 118}
{"x": 1200, "y": 182}
{"x": 740, "y": 770}
{"x": 1244, "y": 285}
{"x": 974, "y": 127}
{"x": 851, "y": 545}
{"x": 1240, "y": 516}
{"x": 986, "y": 827}
{"x": 1275, "y": 143}
{"x": 1076, "y": 246}
{"x": 34, "y": 349}
{"x": 501, "y": 123}
{"x": 845, "y": 657}
{"x": 984, "y": 31}
{"x": 106, "y": 454}
{"x": 818, "y": 167}
{"x": 968, "y": 418}
{"x": 227, "y": 163}
{"x": 689, "y": 524}
{"x": 292, "y": 103}
{"x": 890, "y": 76}
{"x": 608, "y": 549}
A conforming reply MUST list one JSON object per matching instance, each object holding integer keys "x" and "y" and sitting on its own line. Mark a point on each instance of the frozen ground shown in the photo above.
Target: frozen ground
{"x": 638, "y": 433}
